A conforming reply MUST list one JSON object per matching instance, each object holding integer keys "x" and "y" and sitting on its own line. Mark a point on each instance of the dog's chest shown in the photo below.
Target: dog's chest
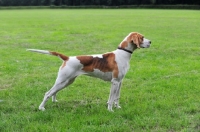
{"x": 122, "y": 63}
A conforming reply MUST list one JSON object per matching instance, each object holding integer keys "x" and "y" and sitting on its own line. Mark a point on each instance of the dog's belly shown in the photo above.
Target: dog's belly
{"x": 106, "y": 76}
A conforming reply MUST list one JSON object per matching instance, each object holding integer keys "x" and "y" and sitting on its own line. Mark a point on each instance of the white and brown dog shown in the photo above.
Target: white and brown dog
{"x": 111, "y": 66}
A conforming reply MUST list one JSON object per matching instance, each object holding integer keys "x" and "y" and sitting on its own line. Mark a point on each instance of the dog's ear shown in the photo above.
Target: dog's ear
{"x": 137, "y": 39}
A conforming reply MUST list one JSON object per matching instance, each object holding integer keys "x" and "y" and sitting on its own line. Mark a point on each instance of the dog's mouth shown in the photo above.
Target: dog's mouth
{"x": 146, "y": 46}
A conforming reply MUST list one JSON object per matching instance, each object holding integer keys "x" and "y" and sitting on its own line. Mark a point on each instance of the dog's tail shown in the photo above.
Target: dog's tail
{"x": 63, "y": 57}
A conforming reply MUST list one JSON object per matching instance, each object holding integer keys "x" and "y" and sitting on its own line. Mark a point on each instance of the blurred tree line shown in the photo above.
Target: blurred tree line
{"x": 95, "y": 2}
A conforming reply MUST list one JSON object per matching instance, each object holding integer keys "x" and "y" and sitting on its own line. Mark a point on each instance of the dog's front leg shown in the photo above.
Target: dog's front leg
{"x": 113, "y": 92}
{"x": 117, "y": 96}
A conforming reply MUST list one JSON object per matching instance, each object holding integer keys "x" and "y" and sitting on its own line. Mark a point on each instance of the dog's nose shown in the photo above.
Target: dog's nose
{"x": 150, "y": 42}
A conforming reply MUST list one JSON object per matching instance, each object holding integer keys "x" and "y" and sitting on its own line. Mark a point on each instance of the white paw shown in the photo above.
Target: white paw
{"x": 42, "y": 108}
{"x": 54, "y": 100}
{"x": 110, "y": 108}
{"x": 118, "y": 107}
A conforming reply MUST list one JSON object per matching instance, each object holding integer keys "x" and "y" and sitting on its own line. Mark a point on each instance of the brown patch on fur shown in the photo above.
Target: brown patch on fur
{"x": 124, "y": 44}
{"x": 63, "y": 57}
{"x": 105, "y": 64}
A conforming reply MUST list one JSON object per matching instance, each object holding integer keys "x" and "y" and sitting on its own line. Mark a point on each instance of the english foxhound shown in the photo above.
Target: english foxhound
{"x": 111, "y": 66}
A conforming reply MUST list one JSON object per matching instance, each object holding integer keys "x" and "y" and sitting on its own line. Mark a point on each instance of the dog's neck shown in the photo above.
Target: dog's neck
{"x": 125, "y": 50}
{"x": 128, "y": 47}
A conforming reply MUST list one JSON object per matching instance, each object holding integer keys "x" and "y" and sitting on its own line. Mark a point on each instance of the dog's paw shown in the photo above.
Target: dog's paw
{"x": 42, "y": 108}
{"x": 118, "y": 107}
{"x": 110, "y": 108}
{"x": 54, "y": 100}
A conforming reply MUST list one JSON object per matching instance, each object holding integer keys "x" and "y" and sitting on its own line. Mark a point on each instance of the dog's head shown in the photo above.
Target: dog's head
{"x": 139, "y": 40}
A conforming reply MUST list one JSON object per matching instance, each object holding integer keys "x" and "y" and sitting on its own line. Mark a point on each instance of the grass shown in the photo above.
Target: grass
{"x": 159, "y": 93}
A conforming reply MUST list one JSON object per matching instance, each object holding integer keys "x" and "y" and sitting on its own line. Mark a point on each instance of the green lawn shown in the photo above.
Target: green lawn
{"x": 161, "y": 91}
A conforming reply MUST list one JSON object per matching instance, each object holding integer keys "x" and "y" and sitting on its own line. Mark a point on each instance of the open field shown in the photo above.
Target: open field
{"x": 161, "y": 91}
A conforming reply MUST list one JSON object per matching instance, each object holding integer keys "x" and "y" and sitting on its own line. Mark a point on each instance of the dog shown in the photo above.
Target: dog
{"x": 111, "y": 66}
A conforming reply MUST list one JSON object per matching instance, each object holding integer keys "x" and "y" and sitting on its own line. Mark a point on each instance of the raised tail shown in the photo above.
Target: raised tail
{"x": 39, "y": 51}
{"x": 63, "y": 57}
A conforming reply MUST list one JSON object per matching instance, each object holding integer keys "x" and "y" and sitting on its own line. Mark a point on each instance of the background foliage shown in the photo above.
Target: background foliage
{"x": 94, "y": 2}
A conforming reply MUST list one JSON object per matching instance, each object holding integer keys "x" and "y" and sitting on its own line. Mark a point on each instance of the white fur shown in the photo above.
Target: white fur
{"x": 146, "y": 43}
{"x": 39, "y": 51}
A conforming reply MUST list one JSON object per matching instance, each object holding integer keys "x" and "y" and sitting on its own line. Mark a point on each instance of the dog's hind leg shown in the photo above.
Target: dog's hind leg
{"x": 54, "y": 96}
{"x": 52, "y": 92}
